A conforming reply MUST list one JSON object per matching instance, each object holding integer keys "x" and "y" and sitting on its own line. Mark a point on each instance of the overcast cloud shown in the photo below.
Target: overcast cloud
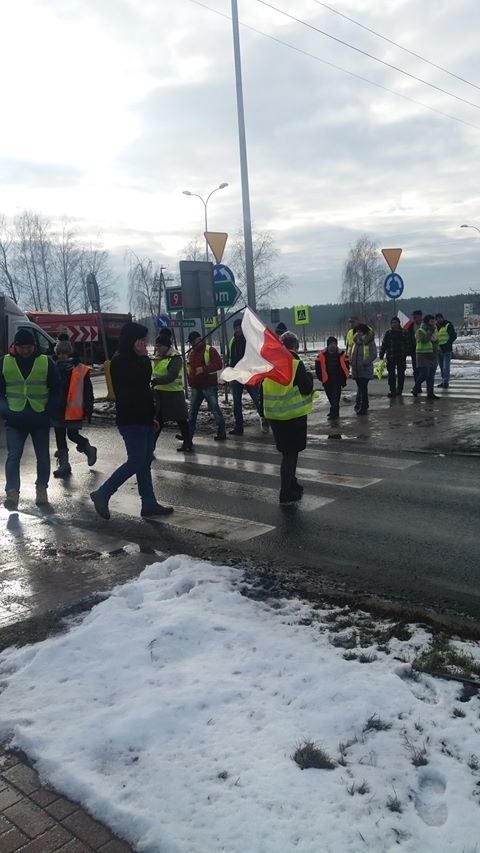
{"x": 112, "y": 108}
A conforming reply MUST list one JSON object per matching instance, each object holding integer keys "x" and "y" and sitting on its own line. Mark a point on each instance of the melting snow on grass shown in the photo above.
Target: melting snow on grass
{"x": 173, "y": 710}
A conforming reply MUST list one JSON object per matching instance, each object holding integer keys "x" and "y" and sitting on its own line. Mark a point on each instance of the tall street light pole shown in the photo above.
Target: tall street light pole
{"x": 247, "y": 222}
{"x": 205, "y": 204}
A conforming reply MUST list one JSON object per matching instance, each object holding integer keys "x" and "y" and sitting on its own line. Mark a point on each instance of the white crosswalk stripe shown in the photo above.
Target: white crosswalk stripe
{"x": 216, "y": 472}
{"x": 461, "y": 389}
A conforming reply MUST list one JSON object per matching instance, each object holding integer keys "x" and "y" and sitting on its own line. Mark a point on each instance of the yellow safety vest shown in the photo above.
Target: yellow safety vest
{"x": 284, "y": 402}
{"x": 442, "y": 335}
{"x": 206, "y": 357}
{"x": 32, "y": 390}
{"x": 423, "y": 345}
{"x": 160, "y": 370}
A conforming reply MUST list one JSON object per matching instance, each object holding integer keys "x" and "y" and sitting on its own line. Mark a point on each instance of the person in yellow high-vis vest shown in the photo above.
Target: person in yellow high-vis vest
{"x": 168, "y": 390}
{"x": 29, "y": 390}
{"x": 427, "y": 356}
{"x": 286, "y": 408}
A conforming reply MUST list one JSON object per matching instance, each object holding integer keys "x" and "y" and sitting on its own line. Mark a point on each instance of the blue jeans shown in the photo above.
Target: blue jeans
{"x": 210, "y": 394}
{"x": 139, "y": 441}
{"x": 444, "y": 359}
{"x": 426, "y": 373}
{"x": 237, "y": 392}
{"x": 16, "y": 439}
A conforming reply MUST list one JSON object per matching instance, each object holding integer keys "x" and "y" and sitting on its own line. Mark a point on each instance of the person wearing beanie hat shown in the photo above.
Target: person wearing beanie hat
{"x": 29, "y": 392}
{"x": 280, "y": 329}
{"x": 131, "y": 372}
{"x": 168, "y": 390}
{"x": 235, "y": 353}
{"x": 203, "y": 364}
{"x": 76, "y": 404}
{"x": 332, "y": 368}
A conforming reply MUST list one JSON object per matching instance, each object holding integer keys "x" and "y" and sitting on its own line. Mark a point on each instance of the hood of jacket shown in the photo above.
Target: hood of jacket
{"x": 130, "y": 333}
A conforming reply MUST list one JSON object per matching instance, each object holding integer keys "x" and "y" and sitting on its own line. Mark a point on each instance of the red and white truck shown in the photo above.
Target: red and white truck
{"x": 83, "y": 331}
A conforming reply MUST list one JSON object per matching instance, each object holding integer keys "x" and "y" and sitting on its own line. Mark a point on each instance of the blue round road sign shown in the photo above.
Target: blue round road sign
{"x": 222, "y": 273}
{"x": 393, "y": 285}
{"x": 163, "y": 321}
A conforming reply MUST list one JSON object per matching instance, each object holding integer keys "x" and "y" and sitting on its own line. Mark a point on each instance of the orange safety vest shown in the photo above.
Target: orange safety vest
{"x": 75, "y": 410}
{"x": 323, "y": 365}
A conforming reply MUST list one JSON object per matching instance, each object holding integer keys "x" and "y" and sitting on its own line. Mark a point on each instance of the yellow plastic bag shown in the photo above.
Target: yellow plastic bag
{"x": 380, "y": 368}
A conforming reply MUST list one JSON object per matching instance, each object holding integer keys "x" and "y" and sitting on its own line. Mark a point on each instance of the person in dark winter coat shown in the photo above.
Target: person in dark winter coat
{"x": 76, "y": 403}
{"x": 394, "y": 347}
{"x": 131, "y": 372}
{"x": 286, "y": 408}
{"x": 29, "y": 392}
{"x": 446, "y": 336}
{"x": 332, "y": 368}
{"x": 168, "y": 390}
{"x": 236, "y": 351}
{"x": 363, "y": 354}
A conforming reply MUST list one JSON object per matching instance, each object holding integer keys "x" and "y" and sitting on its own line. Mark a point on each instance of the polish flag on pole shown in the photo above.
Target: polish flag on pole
{"x": 404, "y": 320}
{"x": 265, "y": 356}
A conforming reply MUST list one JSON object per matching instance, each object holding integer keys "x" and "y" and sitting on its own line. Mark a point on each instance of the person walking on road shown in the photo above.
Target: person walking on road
{"x": 236, "y": 351}
{"x": 446, "y": 336}
{"x": 332, "y": 369}
{"x": 29, "y": 393}
{"x": 76, "y": 403}
{"x": 364, "y": 353}
{"x": 131, "y": 372}
{"x": 412, "y": 340}
{"x": 427, "y": 356}
{"x": 169, "y": 391}
{"x": 203, "y": 364}
{"x": 286, "y": 408}
{"x": 394, "y": 347}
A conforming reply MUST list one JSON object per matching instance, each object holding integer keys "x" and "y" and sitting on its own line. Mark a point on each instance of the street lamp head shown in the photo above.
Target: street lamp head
{"x": 222, "y": 186}
{"x": 186, "y": 192}
{"x": 464, "y": 226}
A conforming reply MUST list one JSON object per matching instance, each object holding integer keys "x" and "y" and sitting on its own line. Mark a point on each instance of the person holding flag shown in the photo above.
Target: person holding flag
{"x": 286, "y": 396}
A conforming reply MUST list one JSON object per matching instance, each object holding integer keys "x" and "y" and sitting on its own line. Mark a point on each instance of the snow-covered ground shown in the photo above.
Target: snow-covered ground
{"x": 468, "y": 347}
{"x": 172, "y": 712}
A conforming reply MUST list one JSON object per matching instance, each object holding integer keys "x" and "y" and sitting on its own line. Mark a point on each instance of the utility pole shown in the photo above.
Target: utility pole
{"x": 247, "y": 221}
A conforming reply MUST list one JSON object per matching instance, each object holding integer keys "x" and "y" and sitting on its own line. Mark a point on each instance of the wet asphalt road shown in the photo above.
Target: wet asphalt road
{"x": 384, "y": 513}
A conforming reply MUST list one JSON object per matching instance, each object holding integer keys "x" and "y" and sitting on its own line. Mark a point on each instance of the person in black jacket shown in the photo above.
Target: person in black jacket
{"x": 394, "y": 347}
{"x": 446, "y": 336}
{"x": 131, "y": 373}
{"x": 236, "y": 351}
{"x": 332, "y": 368}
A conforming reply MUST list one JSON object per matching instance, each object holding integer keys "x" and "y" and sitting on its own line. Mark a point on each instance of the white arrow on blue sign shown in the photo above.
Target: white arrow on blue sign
{"x": 393, "y": 285}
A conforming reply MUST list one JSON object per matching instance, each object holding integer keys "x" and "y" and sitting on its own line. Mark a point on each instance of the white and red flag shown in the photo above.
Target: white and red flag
{"x": 265, "y": 356}
{"x": 404, "y": 320}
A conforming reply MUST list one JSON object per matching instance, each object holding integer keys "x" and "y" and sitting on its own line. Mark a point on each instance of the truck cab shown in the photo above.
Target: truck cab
{"x": 12, "y": 319}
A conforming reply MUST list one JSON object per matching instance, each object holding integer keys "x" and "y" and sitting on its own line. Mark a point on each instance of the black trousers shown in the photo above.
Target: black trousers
{"x": 288, "y": 469}
{"x": 182, "y": 425}
{"x": 73, "y": 434}
{"x": 362, "y": 395}
{"x": 396, "y": 374}
{"x": 333, "y": 390}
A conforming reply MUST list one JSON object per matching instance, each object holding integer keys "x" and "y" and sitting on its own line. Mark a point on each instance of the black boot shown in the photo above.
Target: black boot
{"x": 64, "y": 469}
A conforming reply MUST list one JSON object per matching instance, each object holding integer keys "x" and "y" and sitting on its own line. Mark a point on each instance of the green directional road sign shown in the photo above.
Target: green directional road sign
{"x": 226, "y": 294}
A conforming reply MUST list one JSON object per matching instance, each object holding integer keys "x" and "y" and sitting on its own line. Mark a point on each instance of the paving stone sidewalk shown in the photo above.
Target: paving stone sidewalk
{"x": 35, "y": 819}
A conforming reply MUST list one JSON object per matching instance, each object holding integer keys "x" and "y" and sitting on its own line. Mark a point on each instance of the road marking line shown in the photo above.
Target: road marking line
{"x": 333, "y": 455}
{"x": 228, "y": 528}
{"x": 269, "y": 470}
{"x": 241, "y": 490}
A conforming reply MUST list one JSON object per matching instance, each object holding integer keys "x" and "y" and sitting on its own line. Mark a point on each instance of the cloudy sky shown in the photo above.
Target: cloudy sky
{"x": 112, "y": 107}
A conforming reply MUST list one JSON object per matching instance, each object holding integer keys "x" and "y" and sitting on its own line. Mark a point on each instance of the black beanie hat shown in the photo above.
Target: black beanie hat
{"x": 24, "y": 338}
{"x": 237, "y": 323}
{"x": 163, "y": 340}
{"x": 129, "y": 333}
{"x": 193, "y": 337}
{"x": 331, "y": 340}
{"x": 280, "y": 329}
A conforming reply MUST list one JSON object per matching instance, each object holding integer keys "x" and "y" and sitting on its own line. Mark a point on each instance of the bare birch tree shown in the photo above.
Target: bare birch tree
{"x": 143, "y": 286}
{"x": 95, "y": 259}
{"x": 67, "y": 255}
{"x": 363, "y": 274}
{"x": 34, "y": 259}
{"x": 268, "y": 280}
{"x": 8, "y": 279}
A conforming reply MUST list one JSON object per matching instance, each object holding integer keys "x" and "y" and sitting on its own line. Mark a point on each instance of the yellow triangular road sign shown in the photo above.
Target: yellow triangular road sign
{"x": 216, "y": 240}
{"x": 392, "y": 257}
